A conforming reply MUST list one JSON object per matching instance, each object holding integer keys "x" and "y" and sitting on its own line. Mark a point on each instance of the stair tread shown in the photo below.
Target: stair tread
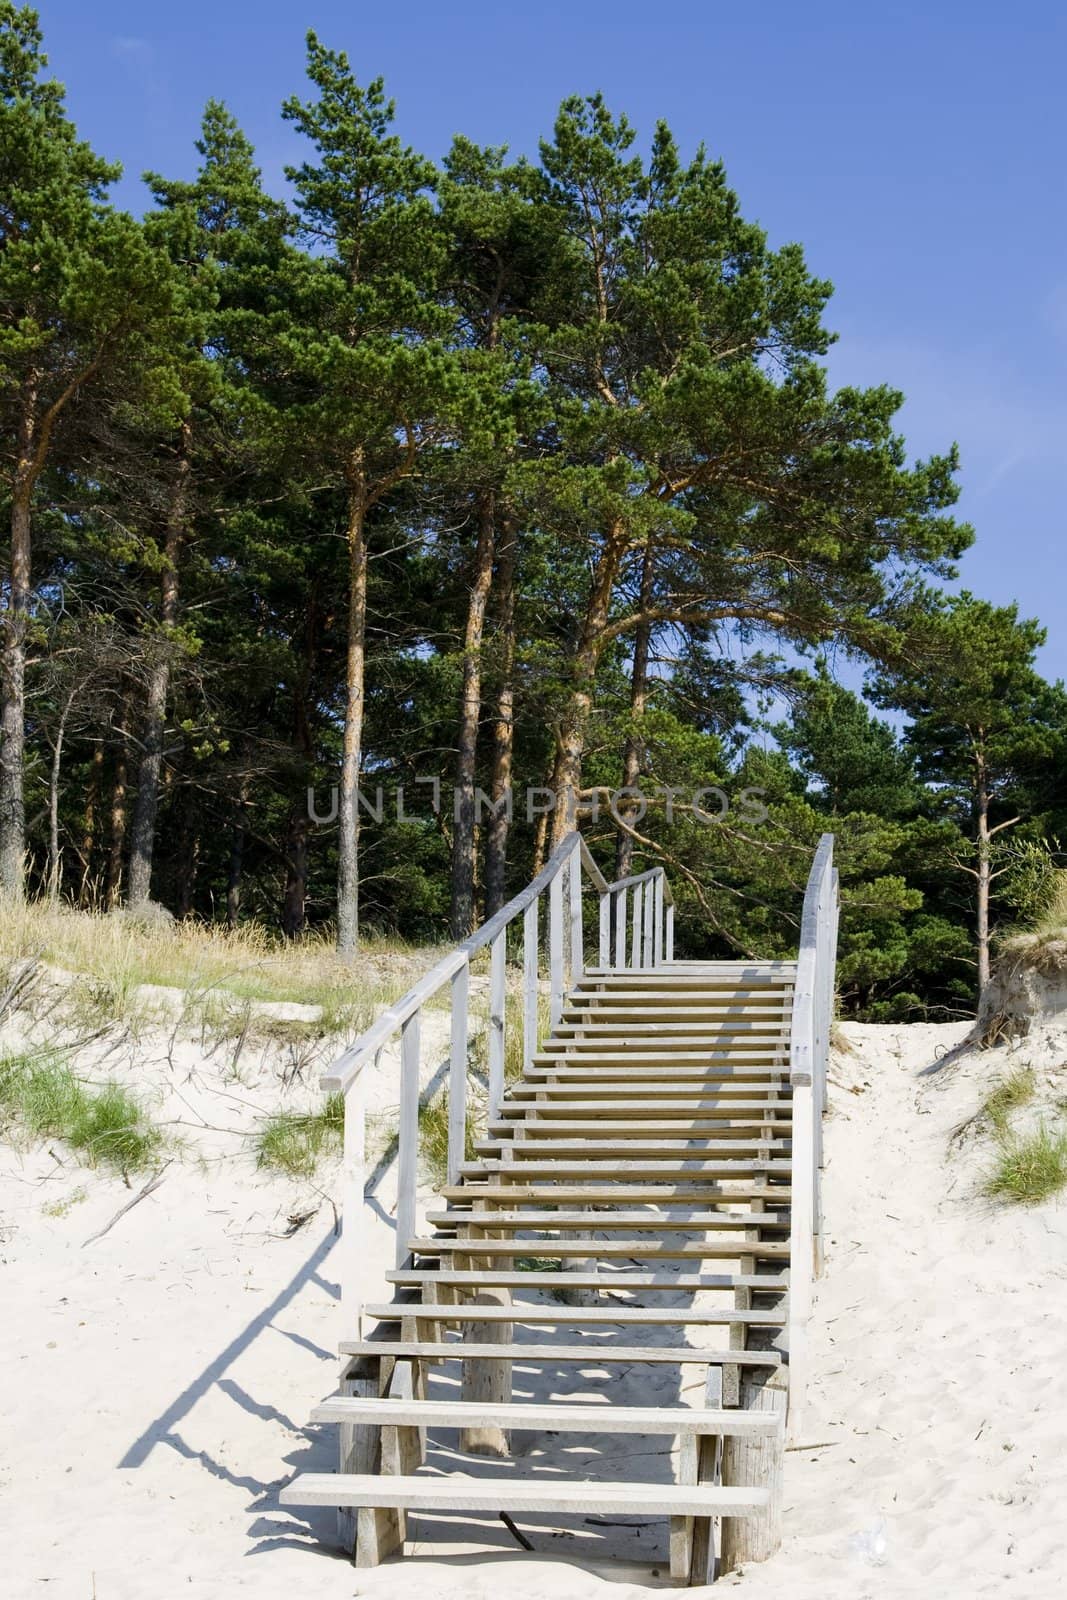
{"x": 682, "y": 1282}
{"x": 707, "y": 1249}
{"x": 599, "y": 1194}
{"x": 558, "y": 1416}
{"x": 493, "y": 1494}
{"x": 700, "y": 1223}
{"x": 525, "y": 1312}
{"x": 592, "y": 1353}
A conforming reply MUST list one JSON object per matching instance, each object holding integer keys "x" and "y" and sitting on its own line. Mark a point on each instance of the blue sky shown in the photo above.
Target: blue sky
{"x": 918, "y": 155}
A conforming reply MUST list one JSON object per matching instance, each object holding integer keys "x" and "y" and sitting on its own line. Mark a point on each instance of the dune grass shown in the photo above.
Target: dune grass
{"x": 105, "y": 1125}
{"x": 297, "y": 1142}
{"x": 1016, "y": 1090}
{"x": 221, "y": 970}
{"x": 1042, "y": 942}
{"x": 1029, "y": 1167}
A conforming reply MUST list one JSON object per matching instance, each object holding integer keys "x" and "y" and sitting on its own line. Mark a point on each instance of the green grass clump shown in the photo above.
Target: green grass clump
{"x": 1018, "y": 1089}
{"x": 433, "y": 1138}
{"x": 295, "y": 1142}
{"x": 106, "y": 1126}
{"x": 1029, "y": 1167}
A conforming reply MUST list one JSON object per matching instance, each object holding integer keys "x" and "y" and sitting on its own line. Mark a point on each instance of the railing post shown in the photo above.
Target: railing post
{"x": 574, "y": 882}
{"x": 497, "y": 1007}
{"x": 668, "y": 954}
{"x": 530, "y": 986}
{"x": 408, "y": 1139}
{"x": 650, "y": 917}
{"x": 657, "y": 920}
{"x": 619, "y": 898}
{"x": 555, "y": 950}
{"x": 638, "y": 898}
{"x": 605, "y": 930}
{"x": 457, "y": 1072}
{"x": 353, "y": 1183}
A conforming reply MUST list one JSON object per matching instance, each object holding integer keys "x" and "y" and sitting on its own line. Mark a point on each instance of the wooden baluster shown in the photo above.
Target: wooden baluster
{"x": 457, "y": 1072}
{"x": 408, "y": 1142}
{"x": 555, "y": 950}
{"x": 620, "y": 929}
{"x": 530, "y": 985}
{"x": 649, "y": 918}
{"x": 668, "y": 954}
{"x": 353, "y": 1183}
{"x": 657, "y": 919}
{"x": 497, "y": 1004}
{"x": 638, "y": 899}
{"x": 577, "y": 938}
{"x": 605, "y": 931}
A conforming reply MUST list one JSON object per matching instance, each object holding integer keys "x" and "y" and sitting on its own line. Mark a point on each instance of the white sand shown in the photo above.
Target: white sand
{"x": 157, "y": 1381}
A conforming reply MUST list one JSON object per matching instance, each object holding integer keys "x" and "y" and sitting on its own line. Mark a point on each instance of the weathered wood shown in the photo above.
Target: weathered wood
{"x": 492, "y": 1494}
{"x": 756, "y": 1459}
{"x": 353, "y": 1183}
{"x": 497, "y": 1018}
{"x": 486, "y": 1382}
{"x": 457, "y": 1071}
{"x": 613, "y": 1282}
{"x": 558, "y": 1415}
{"x": 598, "y": 1355}
{"x": 531, "y": 991}
{"x": 709, "y": 1249}
{"x": 522, "y": 1314}
{"x": 555, "y": 951}
{"x": 368, "y": 1534}
{"x": 408, "y": 1139}
{"x": 604, "y": 1221}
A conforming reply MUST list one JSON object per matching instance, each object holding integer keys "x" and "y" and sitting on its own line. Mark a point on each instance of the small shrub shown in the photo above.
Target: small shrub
{"x": 296, "y": 1142}
{"x": 1018, "y": 1089}
{"x": 1030, "y": 1167}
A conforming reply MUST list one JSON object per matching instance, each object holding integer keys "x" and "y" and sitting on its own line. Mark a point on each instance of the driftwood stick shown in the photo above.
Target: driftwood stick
{"x": 152, "y": 1184}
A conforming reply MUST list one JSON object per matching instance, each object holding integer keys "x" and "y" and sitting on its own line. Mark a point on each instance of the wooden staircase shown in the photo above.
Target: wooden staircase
{"x": 630, "y": 1206}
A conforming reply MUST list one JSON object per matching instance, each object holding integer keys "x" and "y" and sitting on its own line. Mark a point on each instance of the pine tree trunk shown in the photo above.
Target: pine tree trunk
{"x": 984, "y": 876}
{"x": 352, "y": 750}
{"x": 54, "y": 863}
{"x": 570, "y": 744}
{"x": 113, "y": 887}
{"x": 236, "y": 864}
{"x": 296, "y": 872}
{"x": 188, "y": 857}
{"x": 13, "y": 657}
{"x": 462, "y": 911}
{"x": 143, "y": 826}
{"x": 86, "y": 894}
{"x": 496, "y": 841}
{"x": 634, "y": 753}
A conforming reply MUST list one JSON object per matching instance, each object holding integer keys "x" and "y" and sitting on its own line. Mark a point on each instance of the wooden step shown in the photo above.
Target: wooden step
{"x": 604, "y": 1249}
{"x": 731, "y": 1134}
{"x": 560, "y": 1417}
{"x": 548, "y": 1147}
{"x": 606, "y": 1221}
{"x": 459, "y": 1493}
{"x": 701, "y": 1085}
{"x": 679, "y": 1165}
{"x": 625, "y": 1065}
{"x": 539, "y": 1194}
{"x": 526, "y": 1315}
{"x": 592, "y": 1353}
{"x": 699, "y": 1110}
{"x": 644, "y": 1282}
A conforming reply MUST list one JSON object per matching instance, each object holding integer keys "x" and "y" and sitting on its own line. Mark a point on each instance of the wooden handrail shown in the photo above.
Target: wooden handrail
{"x": 645, "y": 899}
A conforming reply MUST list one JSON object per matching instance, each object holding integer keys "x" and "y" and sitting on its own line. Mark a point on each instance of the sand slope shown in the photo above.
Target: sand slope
{"x": 157, "y": 1381}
